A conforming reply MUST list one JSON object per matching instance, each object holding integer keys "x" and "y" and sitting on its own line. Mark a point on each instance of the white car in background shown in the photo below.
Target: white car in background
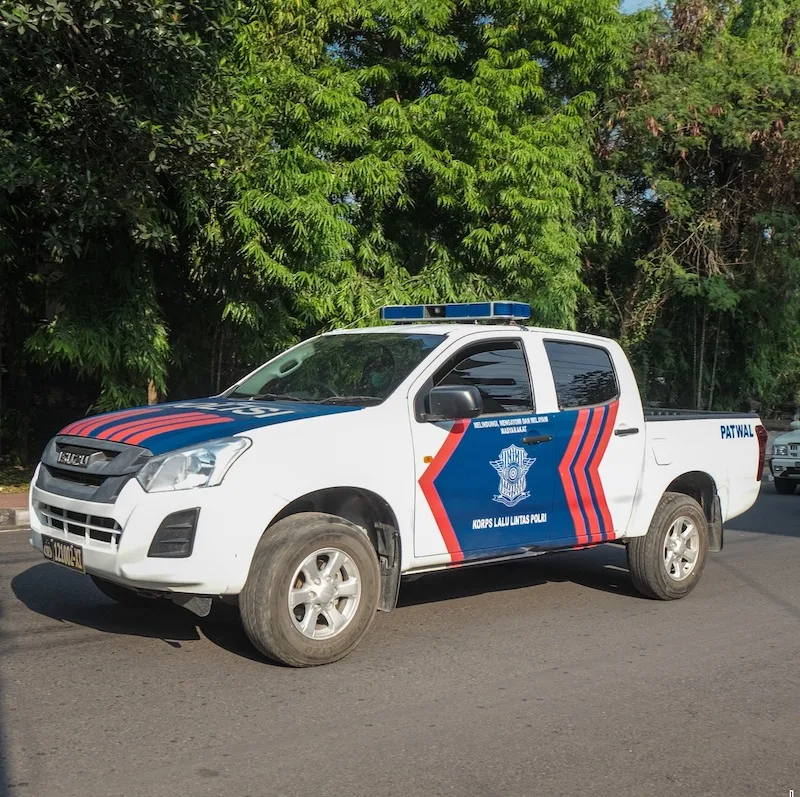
{"x": 785, "y": 462}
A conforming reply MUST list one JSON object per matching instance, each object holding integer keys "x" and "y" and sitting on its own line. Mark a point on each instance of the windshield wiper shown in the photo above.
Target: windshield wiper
{"x": 279, "y": 397}
{"x": 349, "y": 399}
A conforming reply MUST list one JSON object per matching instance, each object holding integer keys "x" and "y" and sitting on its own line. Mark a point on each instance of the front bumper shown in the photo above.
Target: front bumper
{"x": 785, "y": 467}
{"x": 116, "y": 539}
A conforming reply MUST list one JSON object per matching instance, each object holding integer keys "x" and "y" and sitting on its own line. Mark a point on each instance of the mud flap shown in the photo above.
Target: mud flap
{"x": 388, "y": 550}
{"x": 715, "y": 530}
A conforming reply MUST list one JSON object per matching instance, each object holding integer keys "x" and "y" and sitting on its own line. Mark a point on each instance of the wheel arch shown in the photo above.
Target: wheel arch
{"x": 701, "y": 486}
{"x": 367, "y": 511}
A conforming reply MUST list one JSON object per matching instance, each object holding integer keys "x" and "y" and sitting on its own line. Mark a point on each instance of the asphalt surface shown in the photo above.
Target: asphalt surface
{"x": 545, "y": 678}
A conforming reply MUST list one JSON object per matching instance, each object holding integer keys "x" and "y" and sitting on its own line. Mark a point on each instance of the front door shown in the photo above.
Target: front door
{"x": 485, "y": 486}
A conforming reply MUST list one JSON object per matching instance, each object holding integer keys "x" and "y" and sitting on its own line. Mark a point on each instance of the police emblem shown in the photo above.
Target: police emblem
{"x": 512, "y": 467}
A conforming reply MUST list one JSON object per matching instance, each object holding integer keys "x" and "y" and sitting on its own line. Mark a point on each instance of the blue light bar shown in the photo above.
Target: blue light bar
{"x": 472, "y": 311}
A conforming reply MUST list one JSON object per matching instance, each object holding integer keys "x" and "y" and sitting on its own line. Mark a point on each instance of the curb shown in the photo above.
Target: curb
{"x": 14, "y": 519}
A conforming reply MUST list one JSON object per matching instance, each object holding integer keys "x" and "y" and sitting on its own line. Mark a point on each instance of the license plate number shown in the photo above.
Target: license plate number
{"x": 63, "y": 553}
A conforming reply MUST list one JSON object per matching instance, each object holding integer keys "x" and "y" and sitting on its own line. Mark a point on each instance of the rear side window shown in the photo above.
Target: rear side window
{"x": 583, "y": 375}
{"x": 498, "y": 370}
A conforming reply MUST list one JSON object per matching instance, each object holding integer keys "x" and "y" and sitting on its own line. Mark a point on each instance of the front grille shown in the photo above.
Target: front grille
{"x": 76, "y": 477}
{"x": 77, "y": 524}
{"x": 97, "y": 473}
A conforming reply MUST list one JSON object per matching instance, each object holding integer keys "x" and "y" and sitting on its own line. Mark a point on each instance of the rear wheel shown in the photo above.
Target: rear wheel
{"x": 785, "y": 486}
{"x": 312, "y": 590}
{"x": 668, "y": 561}
{"x": 122, "y": 595}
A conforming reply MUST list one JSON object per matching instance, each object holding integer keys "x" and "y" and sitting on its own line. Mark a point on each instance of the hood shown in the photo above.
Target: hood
{"x": 788, "y": 437}
{"x": 166, "y": 427}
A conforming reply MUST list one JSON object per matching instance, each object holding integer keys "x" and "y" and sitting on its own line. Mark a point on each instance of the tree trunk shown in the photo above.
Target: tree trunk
{"x": 213, "y": 359}
{"x": 694, "y": 353}
{"x": 714, "y": 366}
{"x": 2, "y": 321}
{"x": 219, "y": 359}
{"x": 701, "y": 366}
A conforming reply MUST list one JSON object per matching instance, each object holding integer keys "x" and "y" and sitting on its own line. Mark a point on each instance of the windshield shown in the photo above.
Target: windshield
{"x": 356, "y": 368}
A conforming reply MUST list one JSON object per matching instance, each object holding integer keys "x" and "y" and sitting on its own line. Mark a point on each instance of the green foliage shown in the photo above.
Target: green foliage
{"x": 94, "y": 98}
{"x": 186, "y": 188}
{"x": 701, "y": 148}
{"x": 409, "y": 152}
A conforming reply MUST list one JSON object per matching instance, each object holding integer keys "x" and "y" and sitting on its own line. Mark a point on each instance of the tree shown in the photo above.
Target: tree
{"x": 701, "y": 154}
{"x": 419, "y": 151}
{"x": 186, "y": 185}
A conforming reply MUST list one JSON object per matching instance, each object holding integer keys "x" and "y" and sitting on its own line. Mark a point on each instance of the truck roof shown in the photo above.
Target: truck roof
{"x": 456, "y": 330}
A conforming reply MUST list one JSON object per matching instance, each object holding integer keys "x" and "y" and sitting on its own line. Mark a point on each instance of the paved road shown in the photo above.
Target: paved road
{"x": 548, "y": 678}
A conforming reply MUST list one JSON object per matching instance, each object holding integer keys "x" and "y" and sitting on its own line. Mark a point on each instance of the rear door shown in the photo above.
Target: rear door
{"x": 599, "y": 438}
{"x": 483, "y": 488}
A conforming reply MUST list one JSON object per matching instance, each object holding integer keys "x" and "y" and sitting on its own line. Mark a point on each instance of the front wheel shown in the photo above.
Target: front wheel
{"x": 667, "y": 562}
{"x": 785, "y": 486}
{"x": 312, "y": 590}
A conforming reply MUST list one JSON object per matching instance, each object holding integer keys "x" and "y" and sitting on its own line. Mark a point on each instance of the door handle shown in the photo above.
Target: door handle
{"x": 534, "y": 441}
{"x": 626, "y": 432}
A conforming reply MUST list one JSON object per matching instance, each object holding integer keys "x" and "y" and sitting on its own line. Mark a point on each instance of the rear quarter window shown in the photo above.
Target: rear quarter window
{"x": 584, "y": 375}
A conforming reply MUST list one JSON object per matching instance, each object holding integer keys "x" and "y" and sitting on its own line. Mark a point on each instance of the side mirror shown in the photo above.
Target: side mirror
{"x": 454, "y": 403}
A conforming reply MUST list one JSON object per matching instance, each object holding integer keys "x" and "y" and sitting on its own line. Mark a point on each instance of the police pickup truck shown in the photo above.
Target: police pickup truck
{"x": 306, "y": 491}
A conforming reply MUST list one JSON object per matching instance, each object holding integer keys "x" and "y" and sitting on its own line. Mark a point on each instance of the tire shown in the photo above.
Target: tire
{"x": 648, "y": 555}
{"x": 124, "y": 596}
{"x": 285, "y": 560}
{"x": 785, "y": 486}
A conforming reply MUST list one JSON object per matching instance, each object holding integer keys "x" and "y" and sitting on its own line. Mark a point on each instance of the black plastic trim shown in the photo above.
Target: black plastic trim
{"x": 185, "y": 520}
{"x": 652, "y": 414}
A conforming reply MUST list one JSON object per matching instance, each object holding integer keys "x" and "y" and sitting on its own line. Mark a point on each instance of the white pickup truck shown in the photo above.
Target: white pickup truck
{"x": 311, "y": 487}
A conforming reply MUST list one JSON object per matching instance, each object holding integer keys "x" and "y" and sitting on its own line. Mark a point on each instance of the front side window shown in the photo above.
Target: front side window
{"x": 498, "y": 369}
{"x": 350, "y": 368}
{"x": 583, "y": 375}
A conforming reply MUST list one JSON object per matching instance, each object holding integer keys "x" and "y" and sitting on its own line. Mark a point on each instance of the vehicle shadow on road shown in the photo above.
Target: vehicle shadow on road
{"x": 71, "y": 598}
{"x": 603, "y": 568}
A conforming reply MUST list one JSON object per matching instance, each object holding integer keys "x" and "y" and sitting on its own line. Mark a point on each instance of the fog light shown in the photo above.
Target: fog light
{"x": 175, "y": 536}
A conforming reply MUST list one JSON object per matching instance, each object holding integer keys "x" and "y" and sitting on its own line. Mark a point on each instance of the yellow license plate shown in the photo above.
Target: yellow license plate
{"x": 63, "y": 553}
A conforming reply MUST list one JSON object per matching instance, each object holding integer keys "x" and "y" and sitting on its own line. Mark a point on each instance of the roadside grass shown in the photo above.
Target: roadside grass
{"x": 15, "y": 478}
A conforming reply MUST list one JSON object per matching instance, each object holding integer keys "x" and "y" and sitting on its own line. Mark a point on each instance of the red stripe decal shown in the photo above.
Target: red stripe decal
{"x": 82, "y": 428}
{"x": 607, "y": 524}
{"x": 565, "y": 469}
{"x": 148, "y": 433}
{"x": 85, "y": 426}
{"x": 582, "y": 480}
{"x": 426, "y": 483}
{"x": 119, "y": 431}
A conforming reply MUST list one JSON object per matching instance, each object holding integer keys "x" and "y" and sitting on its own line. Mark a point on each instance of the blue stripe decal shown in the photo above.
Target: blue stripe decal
{"x": 595, "y": 502}
{"x": 574, "y": 469}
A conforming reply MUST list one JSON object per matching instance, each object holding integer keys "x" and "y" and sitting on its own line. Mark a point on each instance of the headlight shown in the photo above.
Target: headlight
{"x": 780, "y": 451}
{"x": 201, "y": 466}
